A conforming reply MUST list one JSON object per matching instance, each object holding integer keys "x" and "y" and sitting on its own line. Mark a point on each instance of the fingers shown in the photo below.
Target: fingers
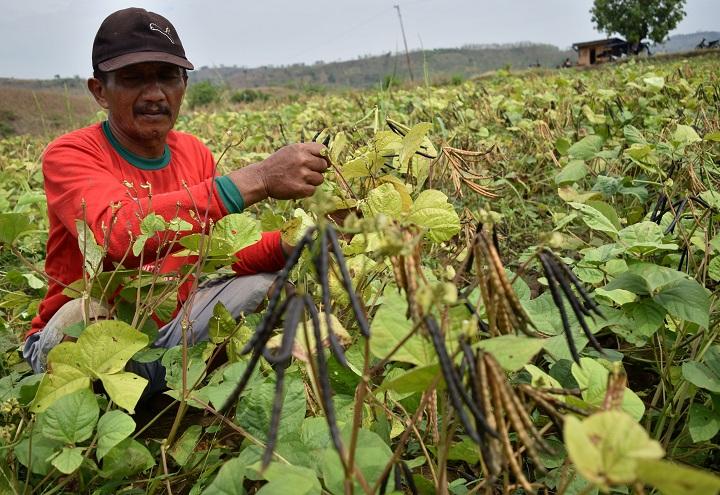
{"x": 314, "y": 148}
{"x": 314, "y": 178}
{"x": 315, "y": 161}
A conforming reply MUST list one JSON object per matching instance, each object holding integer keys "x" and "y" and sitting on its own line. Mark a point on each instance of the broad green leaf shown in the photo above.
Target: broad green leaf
{"x": 586, "y": 148}
{"x": 540, "y": 379}
{"x": 703, "y": 423}
{"x": 413, "y": 141}
{"x": 415, "y": 380}
{"x": 655, "y": 83}
{"x": 172, "y": 360}
{"x": 606, "y": 447}
{"x": 646, "y": 317}
{"x": 706, "y": 374}
{"x": 512, "y": 352}
{"x": 685, "y": 135}
{"x": 114, "y": 427}
{"x": 221, "y": 324}
{"x": 677, "y": 479}
{"x": 254, "y": 411}
{"x": 633, "y": 135}
{"x": 390, "y": 326}
{"x": 284, "y": 479}
{"x": 124, "y": 388}
{"x": 592, "y": 377}
{"x": 152, "y": 224}
{"x": 371, "y": 456}
{"x": 229, "y": 480}
{"x": 594, "y": 219}
{"x": 383, "y": 200}
{"x": 337, "y": 146}
{"x": 712, "y": 136}
{"x": 643, "y": 238}
{"x": 229, "y": 235}
{"x": 294, "y": 229}
{"x": 400, "y": 187}
{"x": 714, "y": 269}
{"x": 184, "y": 447}
{"x": 464, "y": 450}
{"x": 68, "y": 460}
{"x": 572, "y": 172}
{"x": 218, "y": 392}
{"x": 431, "y": 210}
{"x": 36, "y": 452}
{"x": 139, "y": 244}
{"x": 12, "y": 225}
{"x": 72, "y": 417}
{"x": 239, "y": 230}
{"x": 127, "y": 458}
{"x": 685, "y": 299}
{"x": 712, "y": 198}
{"x": 361, "y": 166}
{"x": 62, "y": 380}
{"x": 91, "y": 252}
{"x": 107, "y": 346}
{"x": 177, "y": 224}
{"x": 618, "y": 296}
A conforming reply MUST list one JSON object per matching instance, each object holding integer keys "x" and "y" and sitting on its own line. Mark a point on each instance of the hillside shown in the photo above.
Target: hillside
{"x": 685, "y": 42}
{"x": 372, "y": 70}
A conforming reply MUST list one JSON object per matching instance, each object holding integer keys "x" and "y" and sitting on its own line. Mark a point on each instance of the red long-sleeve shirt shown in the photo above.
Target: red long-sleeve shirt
{"x": 89, "y": 167}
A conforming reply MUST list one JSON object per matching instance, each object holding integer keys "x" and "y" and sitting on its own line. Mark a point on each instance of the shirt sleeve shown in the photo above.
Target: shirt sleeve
{"x": 266, "y": 255}
{"x": 80, "y": 186}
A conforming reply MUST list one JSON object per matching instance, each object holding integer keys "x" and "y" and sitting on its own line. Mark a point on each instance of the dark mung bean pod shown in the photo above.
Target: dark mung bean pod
{"x": 323, "y": 377}
{"x": 557, "y": 299}
{"x": 347, "y": 283}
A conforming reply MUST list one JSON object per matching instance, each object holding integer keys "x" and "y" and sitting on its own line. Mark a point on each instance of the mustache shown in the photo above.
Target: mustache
{"x": 157, "y": 109}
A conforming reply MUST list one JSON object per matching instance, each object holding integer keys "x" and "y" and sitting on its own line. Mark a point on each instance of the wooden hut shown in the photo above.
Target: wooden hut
{"x": 598, "y": 51}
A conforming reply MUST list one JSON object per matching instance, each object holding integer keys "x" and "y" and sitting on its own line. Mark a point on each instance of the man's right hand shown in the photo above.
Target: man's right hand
{"x": 292, "y": 172}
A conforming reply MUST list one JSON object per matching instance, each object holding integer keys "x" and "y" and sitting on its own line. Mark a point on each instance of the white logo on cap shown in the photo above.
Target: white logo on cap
{"x": 166, "y": 33}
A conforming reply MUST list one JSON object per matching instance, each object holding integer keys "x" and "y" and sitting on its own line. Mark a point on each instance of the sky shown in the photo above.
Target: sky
{"x": 44, "y": 38}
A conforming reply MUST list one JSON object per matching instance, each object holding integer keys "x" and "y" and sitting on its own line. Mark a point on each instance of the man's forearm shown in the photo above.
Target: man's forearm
{"x": 250, "y": 182}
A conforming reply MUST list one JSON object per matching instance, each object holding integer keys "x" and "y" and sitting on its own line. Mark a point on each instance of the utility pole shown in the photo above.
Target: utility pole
{"x": 407, "y": 53}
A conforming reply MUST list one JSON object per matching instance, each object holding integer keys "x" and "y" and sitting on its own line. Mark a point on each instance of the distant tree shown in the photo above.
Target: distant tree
{"x": 202, "y": 93}
{"x": 638, "y": 20}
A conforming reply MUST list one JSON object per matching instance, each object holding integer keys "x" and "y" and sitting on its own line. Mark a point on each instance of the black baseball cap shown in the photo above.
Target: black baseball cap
{"x": 131, "y": 36}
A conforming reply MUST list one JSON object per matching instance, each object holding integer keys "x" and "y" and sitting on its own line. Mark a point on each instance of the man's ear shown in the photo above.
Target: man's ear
{"x": 97, "y": 88}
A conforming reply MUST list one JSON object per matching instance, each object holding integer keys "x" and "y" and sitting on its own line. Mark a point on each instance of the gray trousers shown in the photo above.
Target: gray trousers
{"x": 239, "y": 295}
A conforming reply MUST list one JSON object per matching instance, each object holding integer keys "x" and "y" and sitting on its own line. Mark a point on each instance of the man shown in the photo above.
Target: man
{"x": 112, "y": 174}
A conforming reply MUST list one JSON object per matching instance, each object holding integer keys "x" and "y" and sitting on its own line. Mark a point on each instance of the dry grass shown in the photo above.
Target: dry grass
{"x": 43, "y": 112}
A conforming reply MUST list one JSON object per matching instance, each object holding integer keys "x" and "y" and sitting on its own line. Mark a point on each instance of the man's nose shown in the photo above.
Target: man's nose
{"x": 153, "y": 90}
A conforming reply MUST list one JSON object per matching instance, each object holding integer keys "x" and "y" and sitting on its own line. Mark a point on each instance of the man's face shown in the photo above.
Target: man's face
{"x": 143, "y": 101}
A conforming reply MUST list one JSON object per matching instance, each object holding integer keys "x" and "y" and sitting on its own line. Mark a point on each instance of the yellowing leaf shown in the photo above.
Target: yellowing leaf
{"x": 383, "y": 200}
{"x": 676, "y": 479}
{"x": 432, "y": 211}
{"x": 606, "y": 447}
{"x": 106, "y": 346}
{"x": 124, "y": 388}
{"x": 414, "y": 141}
{"x": 63, "y": 379}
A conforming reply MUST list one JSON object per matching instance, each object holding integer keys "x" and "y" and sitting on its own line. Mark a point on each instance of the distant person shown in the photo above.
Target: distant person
{"x": 134, "y": 163}
{"x": 567, "y": 63}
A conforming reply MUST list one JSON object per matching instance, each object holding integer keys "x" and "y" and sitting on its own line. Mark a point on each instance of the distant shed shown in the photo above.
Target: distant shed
{"x": 598, "y": 51}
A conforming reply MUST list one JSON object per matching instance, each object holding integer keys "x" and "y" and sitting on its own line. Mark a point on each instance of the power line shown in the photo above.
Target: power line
{"x": 407, "y": 53}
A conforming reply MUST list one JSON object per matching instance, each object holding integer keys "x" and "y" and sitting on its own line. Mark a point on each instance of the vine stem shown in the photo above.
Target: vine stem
{"x": 163, "y": 448}
{"x": 406, "y": 434}
{"x": 358, "y": 410}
